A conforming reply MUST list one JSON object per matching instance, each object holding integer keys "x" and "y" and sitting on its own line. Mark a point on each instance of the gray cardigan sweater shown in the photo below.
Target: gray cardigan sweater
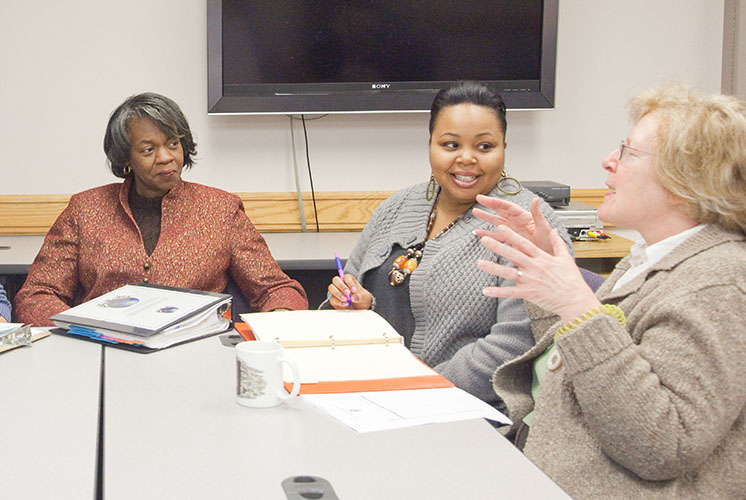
{"x": 4, "y": 305}
{"x": 458, "y": 331}
{"x": 656, "y": 409}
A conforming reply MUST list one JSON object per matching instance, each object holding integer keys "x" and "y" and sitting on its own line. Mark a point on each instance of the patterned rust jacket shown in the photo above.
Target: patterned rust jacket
{"x": 95, "y": 246}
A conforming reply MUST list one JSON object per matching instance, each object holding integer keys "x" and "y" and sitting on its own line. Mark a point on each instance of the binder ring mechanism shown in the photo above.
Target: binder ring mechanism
{"x": 386, "y": 338}
{"x": 331, "y": 337}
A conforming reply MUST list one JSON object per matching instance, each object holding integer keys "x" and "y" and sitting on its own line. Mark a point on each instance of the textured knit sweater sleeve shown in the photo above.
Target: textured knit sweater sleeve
{"x": 458, "y": 331}
{"x": 373, "y": 231}
{"x": 656, "y": 409}
{"x": 257, "y": 274}
{"x": 471, "y": 367}
{"x": 52, "y": 280}
{"x": 4, "y": 304}
{"x": 678, "y": 391}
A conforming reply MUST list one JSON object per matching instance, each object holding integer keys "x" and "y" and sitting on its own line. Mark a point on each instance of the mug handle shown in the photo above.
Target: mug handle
{"x": 296, "y": 380}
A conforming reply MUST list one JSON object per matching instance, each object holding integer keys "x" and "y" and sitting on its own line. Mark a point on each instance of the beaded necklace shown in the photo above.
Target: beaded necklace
{"x": 405, "y": 264}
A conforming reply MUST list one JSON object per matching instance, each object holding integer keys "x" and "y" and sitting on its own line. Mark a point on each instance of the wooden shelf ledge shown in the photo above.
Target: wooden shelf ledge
{"x": 270, "y": 212}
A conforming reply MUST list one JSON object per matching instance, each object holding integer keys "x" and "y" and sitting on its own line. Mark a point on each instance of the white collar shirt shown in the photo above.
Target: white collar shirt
{"x": 642, "y": 256}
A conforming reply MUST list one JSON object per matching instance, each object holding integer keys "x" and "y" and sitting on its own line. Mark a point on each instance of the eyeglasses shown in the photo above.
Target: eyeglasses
{"x": 623, "y": 148}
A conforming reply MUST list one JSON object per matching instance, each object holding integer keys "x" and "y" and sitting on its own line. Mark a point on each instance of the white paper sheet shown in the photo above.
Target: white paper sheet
{"x": 320, "y": 325}
{"x": 323, "y": 364}
{"x": 4, "y": 327}
{"x": 376, "y": 411}
{"x": 365, "y": 345}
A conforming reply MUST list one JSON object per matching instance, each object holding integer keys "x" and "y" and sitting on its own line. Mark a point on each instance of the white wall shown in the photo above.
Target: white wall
{"x": 739, "y": 50}
{"x": 64, "y": 66}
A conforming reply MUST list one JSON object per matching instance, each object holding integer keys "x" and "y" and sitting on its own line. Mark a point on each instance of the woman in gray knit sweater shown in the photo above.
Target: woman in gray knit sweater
{"x": 638, "y": 391}
{"x": 438, "y": 308}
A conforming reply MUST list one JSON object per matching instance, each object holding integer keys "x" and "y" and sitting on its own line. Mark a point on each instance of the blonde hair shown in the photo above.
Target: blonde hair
{"x": 701, "y": 151}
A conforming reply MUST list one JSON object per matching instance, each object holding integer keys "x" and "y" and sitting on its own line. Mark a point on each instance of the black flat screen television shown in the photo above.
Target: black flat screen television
{"x": 346, "y": 56}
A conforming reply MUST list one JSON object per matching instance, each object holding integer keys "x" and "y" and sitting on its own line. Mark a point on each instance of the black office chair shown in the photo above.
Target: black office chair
{"x": 238, "y": 302}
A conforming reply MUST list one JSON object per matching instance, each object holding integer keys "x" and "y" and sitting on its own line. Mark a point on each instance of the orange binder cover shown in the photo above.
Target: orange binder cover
{"x": 341, "y": 386}
{"x": 244, "y": 330}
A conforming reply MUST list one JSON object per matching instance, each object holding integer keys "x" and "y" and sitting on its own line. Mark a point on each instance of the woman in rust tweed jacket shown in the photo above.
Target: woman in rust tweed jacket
{"x": 154, "y": 227}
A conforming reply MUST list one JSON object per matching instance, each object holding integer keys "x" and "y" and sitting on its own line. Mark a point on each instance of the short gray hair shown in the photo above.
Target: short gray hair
{"x": 164, "y": 112}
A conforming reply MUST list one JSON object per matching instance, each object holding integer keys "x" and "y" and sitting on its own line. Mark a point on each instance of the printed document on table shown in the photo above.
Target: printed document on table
{"x": 142, "y": 310}
{"x": 382, "y": 410}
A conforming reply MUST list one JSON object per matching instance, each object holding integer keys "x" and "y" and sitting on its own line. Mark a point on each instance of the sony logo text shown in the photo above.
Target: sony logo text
{"x": 380, "y": 85}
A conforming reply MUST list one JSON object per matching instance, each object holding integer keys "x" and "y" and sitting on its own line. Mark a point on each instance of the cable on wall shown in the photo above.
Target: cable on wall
{"x": 297, "y": 179}
{"x": 310, "y": 176}
{"x": 308, "y": 163}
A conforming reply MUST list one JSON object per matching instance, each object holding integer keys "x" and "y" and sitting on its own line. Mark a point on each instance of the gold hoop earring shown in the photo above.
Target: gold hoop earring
{"x": 505, "y": 178}
{"x": 126, "y": 170}
{"x": 431, "y": 186}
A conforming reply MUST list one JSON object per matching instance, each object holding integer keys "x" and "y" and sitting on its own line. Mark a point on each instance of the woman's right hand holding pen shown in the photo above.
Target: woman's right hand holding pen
{"x": 339, "y": 290}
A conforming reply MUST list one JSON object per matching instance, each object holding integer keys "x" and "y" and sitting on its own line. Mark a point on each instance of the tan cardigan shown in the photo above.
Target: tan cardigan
{"x": 656, "y": 410}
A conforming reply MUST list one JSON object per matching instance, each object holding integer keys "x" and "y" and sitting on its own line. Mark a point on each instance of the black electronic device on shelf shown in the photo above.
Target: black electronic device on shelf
{"x": 554, "y": 193}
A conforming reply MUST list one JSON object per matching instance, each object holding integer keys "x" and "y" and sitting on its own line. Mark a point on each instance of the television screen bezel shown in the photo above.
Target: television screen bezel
{"x": 517, "y": 94}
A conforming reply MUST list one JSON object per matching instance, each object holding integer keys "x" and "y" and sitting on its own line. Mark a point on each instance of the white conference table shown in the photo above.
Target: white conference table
{"x": 174, "y": 430}
{"x": 49, "y": 402}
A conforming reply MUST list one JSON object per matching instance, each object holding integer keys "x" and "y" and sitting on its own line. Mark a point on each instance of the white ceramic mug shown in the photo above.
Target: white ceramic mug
{"x": 259, "y": 381}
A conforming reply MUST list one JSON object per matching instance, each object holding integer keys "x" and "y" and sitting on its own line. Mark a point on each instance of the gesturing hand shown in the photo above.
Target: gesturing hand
{"x": 361, "y": 298}
{"x": 532, "y": 226}
{"x": 552, "y": 281}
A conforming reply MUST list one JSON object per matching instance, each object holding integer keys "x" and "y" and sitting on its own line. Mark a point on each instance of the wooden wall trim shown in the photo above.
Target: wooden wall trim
{"x": 337, "y": 210}
{"x": 270, "y": 212}
{"x": 592, "y": 197}
{"x": 30, "y": 214}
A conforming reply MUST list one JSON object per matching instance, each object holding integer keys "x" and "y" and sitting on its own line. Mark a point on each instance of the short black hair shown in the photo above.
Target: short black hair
{"x": 164, "y": 112}
{"x": 468, "y": 92}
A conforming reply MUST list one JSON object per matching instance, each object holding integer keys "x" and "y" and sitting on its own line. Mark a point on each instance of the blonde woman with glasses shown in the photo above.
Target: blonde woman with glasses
{"x": 637, "y": 391}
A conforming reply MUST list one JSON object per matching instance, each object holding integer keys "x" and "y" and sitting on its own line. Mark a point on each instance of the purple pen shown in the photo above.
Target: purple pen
{"x": 342, "y": 276}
